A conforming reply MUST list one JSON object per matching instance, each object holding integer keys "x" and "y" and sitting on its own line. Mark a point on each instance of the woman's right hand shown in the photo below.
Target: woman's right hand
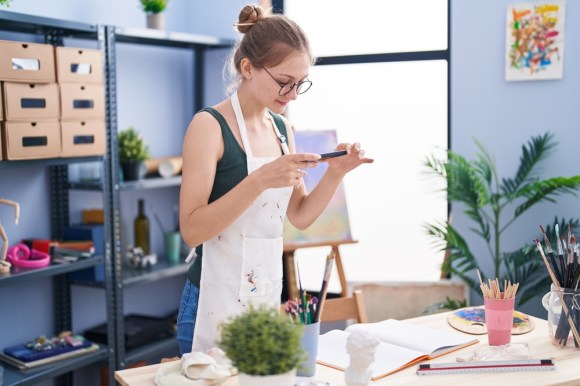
{"x": 285, "y": 171}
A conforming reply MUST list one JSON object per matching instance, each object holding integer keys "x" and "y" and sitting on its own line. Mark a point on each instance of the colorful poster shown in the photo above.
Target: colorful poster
{"x": 535, "y": 41}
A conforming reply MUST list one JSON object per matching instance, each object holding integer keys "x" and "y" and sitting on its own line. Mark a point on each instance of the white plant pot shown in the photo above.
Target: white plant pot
{"x": 286, "y": 379}
{"x": 156, "y": 21}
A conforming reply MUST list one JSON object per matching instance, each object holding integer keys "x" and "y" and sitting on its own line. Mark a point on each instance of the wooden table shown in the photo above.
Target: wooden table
{"x": 567, "y": 365}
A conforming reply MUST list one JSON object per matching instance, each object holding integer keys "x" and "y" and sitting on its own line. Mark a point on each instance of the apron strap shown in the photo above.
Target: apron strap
{"x": 241, "y": 124}
{"x": 244, "y": 132}
{"x": 280, "y": 136}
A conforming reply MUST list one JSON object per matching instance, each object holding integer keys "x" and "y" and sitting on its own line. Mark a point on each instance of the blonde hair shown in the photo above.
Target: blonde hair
{"x": 268, "y": 39}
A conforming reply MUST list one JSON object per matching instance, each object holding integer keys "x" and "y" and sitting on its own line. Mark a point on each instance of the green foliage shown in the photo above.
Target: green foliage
{"x": 262, "y": 342}
{"x": 5, "y": 2}
{"x": 154, "y": 6}
{"x": 132, "y": 147}
{"x": 486, "y": 199}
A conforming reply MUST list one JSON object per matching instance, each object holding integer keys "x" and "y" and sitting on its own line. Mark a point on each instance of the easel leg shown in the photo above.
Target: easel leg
{"x": 340, "y": 270}
{"x": 290, "y": 275}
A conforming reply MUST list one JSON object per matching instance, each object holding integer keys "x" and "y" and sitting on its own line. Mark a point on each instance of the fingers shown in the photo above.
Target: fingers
{"x": 307, "y": 160}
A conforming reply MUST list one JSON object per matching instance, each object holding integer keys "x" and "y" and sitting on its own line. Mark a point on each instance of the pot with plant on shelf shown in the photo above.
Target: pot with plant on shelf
{"x": 132, "y": 153}
{"x": 264, "y": 346}
{"x": 154, "y": 10}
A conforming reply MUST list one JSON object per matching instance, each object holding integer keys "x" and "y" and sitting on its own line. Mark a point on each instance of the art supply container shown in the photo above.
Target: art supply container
{"x": 560, "y": 324}
{"x": 499, "y": 315}
{"x": 172, "y": 247}
{"x": 310, "y": 335}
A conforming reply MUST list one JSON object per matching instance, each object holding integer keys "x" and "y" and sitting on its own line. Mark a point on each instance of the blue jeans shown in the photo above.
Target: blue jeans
{"x": 186, "y": 317}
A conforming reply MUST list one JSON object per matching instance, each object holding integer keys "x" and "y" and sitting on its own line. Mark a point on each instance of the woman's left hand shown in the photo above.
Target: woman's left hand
{"x": 355, "y": 157}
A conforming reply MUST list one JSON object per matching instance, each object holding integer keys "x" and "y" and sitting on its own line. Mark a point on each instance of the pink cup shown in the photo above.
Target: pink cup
{"x": 499, "y": 316}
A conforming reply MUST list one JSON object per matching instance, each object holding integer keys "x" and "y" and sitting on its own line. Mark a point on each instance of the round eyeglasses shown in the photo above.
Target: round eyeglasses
{"x": 285, "y": 88}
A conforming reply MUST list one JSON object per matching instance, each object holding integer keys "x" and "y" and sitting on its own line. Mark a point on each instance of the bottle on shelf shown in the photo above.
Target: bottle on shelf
{"x": 141, "y": 228}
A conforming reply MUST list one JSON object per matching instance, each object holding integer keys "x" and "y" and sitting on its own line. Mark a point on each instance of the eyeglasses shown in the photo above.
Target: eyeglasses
{"x": 285, "y": 88}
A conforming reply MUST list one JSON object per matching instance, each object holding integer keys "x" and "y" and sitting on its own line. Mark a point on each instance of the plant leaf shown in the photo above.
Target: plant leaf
{"x": 535, "y": 151}
{"x": 546, "y": 190}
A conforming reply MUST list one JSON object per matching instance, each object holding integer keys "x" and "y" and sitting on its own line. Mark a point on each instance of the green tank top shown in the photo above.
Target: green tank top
{"x": 231, "y": 170}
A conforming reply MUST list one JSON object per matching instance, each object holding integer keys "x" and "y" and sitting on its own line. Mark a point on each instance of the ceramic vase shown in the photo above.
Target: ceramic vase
{"x": 156, "y": 21}
{"x": 286, "y": 379}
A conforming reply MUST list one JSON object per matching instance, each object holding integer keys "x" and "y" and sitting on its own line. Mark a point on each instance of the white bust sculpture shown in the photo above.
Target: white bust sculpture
{"x": 361, "y": 347}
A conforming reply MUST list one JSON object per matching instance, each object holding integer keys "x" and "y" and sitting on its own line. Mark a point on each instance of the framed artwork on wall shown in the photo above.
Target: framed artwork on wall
{"x": 535, "y": 40}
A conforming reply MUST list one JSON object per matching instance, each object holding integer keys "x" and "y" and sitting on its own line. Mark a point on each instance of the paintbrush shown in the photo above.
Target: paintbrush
{"x": 551, "y": 255}
{"x": 324, "y": 288}
{"x": 302, "y": 294}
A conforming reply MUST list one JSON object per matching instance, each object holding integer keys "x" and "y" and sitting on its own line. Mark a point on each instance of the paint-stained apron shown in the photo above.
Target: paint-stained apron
{"x": 243, "y": 264}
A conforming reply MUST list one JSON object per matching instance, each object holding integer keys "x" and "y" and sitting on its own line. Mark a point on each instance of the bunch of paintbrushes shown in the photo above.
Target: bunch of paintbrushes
{"x": 493, "y": 291}
{"x": 307, "y": 308}
{"x": 564, "y": 270}
{"x": 565, "y": 264}
{"x": 302, "y": 311}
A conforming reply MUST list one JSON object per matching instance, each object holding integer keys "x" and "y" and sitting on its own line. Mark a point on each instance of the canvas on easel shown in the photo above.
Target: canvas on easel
{"x": 332, "y": 228}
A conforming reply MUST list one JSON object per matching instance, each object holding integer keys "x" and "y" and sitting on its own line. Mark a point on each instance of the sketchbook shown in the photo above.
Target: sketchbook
{"x": 22, "y": 365}
{"x": 401, "y": 345}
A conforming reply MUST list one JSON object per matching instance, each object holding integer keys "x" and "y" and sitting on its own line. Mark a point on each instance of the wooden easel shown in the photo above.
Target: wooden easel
{"x": 290, "y": 272}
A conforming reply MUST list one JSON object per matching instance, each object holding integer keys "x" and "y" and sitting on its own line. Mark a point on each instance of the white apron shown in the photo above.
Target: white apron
{"x": 243, "y": 264}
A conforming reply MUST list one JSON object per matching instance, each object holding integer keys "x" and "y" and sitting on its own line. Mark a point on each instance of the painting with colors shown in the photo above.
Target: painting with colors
{"x": 535, "y": 40}
{"x": 333, "y": 225}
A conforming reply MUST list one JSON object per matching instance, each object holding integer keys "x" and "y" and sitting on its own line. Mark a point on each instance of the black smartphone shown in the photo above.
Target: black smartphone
{"x": 332, "y": 154}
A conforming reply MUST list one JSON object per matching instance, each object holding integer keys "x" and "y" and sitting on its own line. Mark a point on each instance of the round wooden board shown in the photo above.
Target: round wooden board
{"x": 471, "y": 320}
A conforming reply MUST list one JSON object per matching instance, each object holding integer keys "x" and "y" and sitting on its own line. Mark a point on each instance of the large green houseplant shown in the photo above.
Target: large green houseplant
{"x": 264, "y": 346}
{"x": 493, "y": 204}
{"x": 132, "y": 152}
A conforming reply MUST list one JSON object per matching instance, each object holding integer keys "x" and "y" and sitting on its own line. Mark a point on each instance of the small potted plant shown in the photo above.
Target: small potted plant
{"x": 132, "y": 152}
{"x": 154, "y": 10}
{"x": 264, "y": 347}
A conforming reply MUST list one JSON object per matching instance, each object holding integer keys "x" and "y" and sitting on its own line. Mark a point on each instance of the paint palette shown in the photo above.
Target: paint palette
{"x": 471, "y": 320}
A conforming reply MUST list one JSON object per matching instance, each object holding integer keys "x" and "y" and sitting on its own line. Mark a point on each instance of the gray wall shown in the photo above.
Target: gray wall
{"x": 503, "y": 115}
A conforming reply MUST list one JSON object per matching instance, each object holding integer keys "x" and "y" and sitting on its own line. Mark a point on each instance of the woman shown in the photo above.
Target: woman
{"x": 241, "y": 178}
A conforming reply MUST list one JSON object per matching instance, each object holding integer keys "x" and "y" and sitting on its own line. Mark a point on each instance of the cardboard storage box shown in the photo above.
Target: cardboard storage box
{"x": 1, "y": 104}
{"x": 82, "y": 101}
{"x": 79, "y": 65}
{"x": 82, "y": 138}
{"x": 31, "y": 102}
{"x": 27, "y": 62}
{"x": 30, "y": 140}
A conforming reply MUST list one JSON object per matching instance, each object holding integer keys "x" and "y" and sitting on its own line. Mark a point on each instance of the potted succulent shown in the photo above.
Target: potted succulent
{"x": 132, "y": 152}
{"x": 264, "y": 346}
{"x": 485, "y": 198}
{"x": 154, "y": 10}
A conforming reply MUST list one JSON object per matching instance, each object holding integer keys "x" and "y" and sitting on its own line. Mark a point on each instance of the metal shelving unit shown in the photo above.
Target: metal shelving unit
{"x": 14, "y": 377}
{"x": 122, "y": 276}
{"x": 117, "y": 275}
{"x": 19, "y": 275}
{"x": 54, "y": 31}
{"x": 145, "y": 183}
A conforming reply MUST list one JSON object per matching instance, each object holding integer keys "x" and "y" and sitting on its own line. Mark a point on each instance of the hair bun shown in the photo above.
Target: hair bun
{"x": 249, "y": 16}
